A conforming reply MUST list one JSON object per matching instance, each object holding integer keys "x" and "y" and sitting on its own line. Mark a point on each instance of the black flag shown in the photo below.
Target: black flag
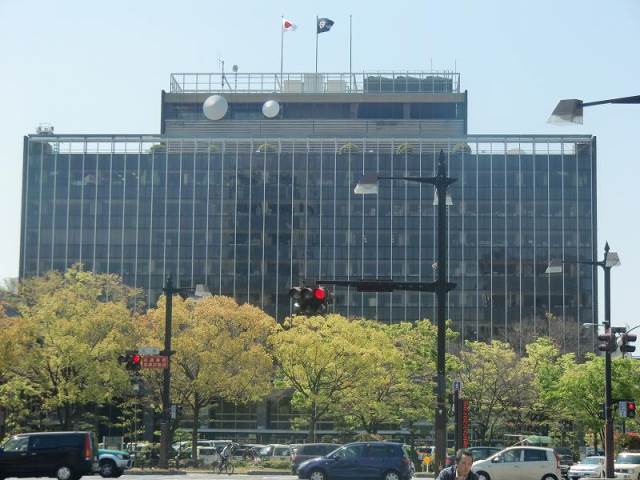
{"x": 324, "y": 25}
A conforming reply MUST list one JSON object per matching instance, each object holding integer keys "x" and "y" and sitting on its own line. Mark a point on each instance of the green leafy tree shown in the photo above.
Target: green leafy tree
{"x": 383, "y": 390}
{"x": 66, "y": 344}
{"x": 493, "y": 383}
{"x": 321, "y": 359}
{"x": 220, "y": 351}
{"x": 581, "y": 390}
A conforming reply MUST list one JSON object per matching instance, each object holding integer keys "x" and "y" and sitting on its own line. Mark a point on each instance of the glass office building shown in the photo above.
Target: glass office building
{"x": 250, "y": 205}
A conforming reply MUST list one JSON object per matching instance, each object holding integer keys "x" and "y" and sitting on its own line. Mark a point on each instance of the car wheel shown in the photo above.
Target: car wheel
{"x": 391, "y": 475}
{"x": 64, "y": 473}
{"x": 549, "y": 477}
{"x": 483, "y": 475}
{"x": 117, "y": 473}
{"x": 108, "y": 468}
{"x": 317, "y": 475}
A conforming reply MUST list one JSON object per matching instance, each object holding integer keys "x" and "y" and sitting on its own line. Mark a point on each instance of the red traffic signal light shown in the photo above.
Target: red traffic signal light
{"x": 132, "y": 360}
{"x": 320, "y": 294}
{"x": 309, "y": 301}
{"x": 631, "y": 409}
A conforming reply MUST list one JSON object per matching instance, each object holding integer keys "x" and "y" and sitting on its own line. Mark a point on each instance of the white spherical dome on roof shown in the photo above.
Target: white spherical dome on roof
{"x": 270, "y": 109}
{"x": 215, "y": 107}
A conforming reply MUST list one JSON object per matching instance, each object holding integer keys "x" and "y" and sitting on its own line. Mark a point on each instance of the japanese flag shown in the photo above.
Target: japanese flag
{"x": 288, "y": 25}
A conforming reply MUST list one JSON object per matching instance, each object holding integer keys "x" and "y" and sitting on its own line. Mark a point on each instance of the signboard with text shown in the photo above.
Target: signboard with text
{"x": 155, "y": 361}
{"x": 465, "y": 423}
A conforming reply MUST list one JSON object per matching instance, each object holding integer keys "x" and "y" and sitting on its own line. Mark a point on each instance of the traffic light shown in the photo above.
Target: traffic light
{"x": 309, "y": 301}
{"x": 631, "y": 409}
{"x": 624, "y": 341}
{"x": 608, "y": 342}
{"x": 132, "y": 360}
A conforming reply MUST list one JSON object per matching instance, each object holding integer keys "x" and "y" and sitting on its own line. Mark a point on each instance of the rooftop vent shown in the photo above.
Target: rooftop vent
{"x": 44, "y": 129}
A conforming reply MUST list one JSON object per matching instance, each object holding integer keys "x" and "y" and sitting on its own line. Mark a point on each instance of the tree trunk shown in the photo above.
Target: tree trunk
{"x": 312, "y": 423}
{"x": 67, "y": 416}
{"x": 194, "y": 430}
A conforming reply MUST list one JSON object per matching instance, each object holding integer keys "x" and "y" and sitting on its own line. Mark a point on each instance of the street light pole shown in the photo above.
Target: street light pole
{"x": 369, "y": 185}
{"x": 166, "y": 380}
{"x": 608, "y": 414}
{"x": 610, "y": 260}
{"x": 442, "y": 289}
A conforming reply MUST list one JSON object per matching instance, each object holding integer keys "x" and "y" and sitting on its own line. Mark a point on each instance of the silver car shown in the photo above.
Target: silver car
{"x": 589, "y": 467}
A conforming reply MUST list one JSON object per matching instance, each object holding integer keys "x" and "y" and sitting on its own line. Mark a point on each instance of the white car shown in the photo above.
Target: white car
{"x": 627, "y": 466}
{"x": 520, "y": 463}
{"x": 589, "y": 467}
{"x": 275, "y": 452}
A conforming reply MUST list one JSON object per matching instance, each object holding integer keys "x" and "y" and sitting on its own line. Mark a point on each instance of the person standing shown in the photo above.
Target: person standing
{"x": 461, "y": 470}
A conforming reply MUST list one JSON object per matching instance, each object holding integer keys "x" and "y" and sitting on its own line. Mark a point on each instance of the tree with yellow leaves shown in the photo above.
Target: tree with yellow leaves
{"x": 63, "y": 349}
{"x": 321, "y": 359}
{"x": 220, "y": 351}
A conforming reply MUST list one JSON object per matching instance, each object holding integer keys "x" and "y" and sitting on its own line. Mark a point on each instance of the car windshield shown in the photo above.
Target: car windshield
{"x": 626, "y": 458}
{"x": 592, "y": 461}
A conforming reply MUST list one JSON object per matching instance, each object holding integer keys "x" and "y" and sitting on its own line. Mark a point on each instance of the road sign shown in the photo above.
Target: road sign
{"x": 155, "y": 361}
{"x": 149, "y": 351}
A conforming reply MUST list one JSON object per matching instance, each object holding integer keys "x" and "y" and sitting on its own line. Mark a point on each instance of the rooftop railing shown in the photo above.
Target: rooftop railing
{"x": 317, "y": 83}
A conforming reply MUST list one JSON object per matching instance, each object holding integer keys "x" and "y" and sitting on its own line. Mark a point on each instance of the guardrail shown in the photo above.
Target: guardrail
{"x": 317, "y": 83}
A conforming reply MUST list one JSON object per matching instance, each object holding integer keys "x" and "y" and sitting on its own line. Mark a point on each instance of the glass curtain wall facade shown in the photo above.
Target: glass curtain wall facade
{"x": 251, "y": 218}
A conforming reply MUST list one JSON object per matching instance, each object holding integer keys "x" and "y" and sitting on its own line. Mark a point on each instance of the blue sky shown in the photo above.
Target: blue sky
{"x": 99, "y": 67}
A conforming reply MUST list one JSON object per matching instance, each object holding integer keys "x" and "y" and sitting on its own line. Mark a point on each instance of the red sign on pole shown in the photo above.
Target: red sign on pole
{"x": 465, "y": 423}
{"x": 155, "y": 361}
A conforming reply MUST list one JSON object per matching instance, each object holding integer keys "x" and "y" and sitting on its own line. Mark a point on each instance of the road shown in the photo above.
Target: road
{"x": 199, "y": 476}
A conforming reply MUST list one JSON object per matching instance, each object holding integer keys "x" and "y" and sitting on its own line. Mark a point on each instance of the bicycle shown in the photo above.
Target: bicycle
{"x": 226, "y": 467}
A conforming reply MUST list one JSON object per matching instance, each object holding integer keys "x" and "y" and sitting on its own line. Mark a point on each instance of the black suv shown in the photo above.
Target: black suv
{"x": 64, "y": 455}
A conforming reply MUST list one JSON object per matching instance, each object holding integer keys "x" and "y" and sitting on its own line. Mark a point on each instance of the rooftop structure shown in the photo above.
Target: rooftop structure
{"x": 317, "y": 83}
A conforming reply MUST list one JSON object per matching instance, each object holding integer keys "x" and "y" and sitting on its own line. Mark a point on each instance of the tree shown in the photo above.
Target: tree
{"x": 65, "y": 347}
{"x": 220, "y": 351}
{"x": 321, "y": 359}
{"x": 417, "y": 343}
{"x": 581, "y": 390}
{"x": 493, "y": 383}
{"x": 544, "y": 366}
{"x": 383, "y": 391}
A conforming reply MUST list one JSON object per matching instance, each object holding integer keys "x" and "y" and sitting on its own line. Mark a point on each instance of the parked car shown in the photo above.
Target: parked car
{"x": 275, "y": 452}
{"x": 248, "y": 451}
{"x": 589, "y": 467}
{"x": 63, "y": 455}
{"x": 113, "y": 463}
{"x": 566, "y": 459}
{"x": 208, "y": 455}
{"x": 302, "y": 452}
{"x": 480, "y": 453}
{"x": 523, "y": 463}
{"x": 379, "y": 460}
{"x": 627, "y": 465}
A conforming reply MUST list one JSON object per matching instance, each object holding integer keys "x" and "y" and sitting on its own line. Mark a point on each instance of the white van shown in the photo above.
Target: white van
{"x": 521, "y": 462}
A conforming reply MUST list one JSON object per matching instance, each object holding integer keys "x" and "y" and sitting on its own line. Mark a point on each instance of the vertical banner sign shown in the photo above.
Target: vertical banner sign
{"x": 465, "y": 423}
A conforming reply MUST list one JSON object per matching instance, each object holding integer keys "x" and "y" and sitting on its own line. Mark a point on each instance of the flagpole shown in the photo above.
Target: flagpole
{"x": 281, "y": 48}
{"x": 350, "y": 48}
{"x": 317, "y": 35}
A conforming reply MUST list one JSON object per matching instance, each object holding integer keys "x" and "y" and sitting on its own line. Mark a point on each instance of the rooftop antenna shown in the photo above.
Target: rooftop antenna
{"x": 221, "y": 65}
